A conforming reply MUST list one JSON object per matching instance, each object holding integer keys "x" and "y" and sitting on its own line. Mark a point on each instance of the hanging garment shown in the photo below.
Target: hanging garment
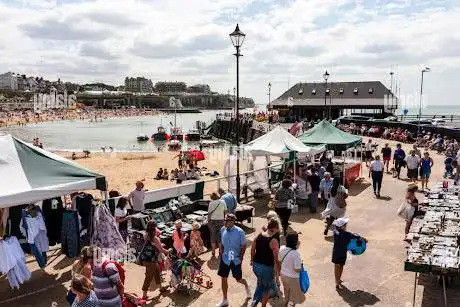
{"x": 12, "y": 226}
{"x": 13, "y": 262}
{"x": 34, "y": 229}
{"x": 105, "y": 230}
{"x": 53, "y": 210}
{"x": 2, "y": 224}
{"x": 84, "y": 202}
{"x": 70, "y": 234}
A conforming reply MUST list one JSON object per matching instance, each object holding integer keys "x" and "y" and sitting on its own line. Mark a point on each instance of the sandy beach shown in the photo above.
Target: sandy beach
{"x": 122, "y": 170}
{"x": 376, "y": 278}
{"x": 22, "y": 118}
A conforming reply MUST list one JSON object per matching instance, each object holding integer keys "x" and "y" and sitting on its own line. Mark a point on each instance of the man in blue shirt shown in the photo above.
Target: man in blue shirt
{"x": 230, "y": 200}
{"x": 325, "y": 186}
{"x": 232, "y": 248}
{"x": 398, "y": 159}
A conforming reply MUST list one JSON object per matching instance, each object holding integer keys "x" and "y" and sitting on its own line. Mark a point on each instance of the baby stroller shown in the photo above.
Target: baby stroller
{"x": 187, "y": 275}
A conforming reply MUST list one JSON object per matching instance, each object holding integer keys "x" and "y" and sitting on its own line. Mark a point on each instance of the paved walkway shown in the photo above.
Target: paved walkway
{"x": 376, "y": 278}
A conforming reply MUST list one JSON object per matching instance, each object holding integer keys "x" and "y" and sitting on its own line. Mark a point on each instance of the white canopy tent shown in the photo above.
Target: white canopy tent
{"x": 279, "y": 142}
{"x": 30, "y": 174}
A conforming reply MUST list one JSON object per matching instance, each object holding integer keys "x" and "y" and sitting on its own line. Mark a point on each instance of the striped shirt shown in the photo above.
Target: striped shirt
{"x": 105, "y": 285}
{"x": 90, "y": 301}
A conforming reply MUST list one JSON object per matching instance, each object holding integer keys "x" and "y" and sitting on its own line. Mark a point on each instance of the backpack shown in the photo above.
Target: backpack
{"x": 121, "y": 270}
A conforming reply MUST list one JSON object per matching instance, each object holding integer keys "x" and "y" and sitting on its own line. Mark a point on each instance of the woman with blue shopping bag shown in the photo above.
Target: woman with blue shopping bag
{"x": 293, "y": 276}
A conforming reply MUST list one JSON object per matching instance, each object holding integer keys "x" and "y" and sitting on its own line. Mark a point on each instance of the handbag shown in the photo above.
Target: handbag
{"x": 148, "y": 253}
{"x": 304, "y": 280}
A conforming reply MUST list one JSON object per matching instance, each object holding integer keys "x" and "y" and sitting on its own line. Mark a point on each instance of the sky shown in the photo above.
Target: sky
{"x": 287, "y": 41}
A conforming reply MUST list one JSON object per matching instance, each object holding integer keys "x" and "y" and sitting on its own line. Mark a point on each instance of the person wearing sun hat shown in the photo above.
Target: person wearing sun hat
{"x": 412, "y": 200}
{"x": 339, "y": 252}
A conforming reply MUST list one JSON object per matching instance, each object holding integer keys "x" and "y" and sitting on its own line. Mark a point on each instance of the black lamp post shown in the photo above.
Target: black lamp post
{"x": 237, "y": 38}
{"x": 269, "y": 94}
{"x": 427, "y": 69}
{"x": 325, "y": 76}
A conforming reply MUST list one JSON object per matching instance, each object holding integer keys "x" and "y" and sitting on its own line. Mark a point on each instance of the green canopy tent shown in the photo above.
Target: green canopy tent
{"x": 31, "y": 174}
{"x": 327, "y": 134}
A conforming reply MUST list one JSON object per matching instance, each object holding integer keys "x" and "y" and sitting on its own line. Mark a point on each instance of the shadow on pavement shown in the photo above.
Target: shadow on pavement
{"x": 357, "y": 298}
{"x": 358, "y": 187}
{"x": 433, "y": 294}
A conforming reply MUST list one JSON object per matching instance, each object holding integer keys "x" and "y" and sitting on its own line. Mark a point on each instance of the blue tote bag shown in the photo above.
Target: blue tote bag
{"x": 304, "y": 280}
{"x": 357, "y": 246}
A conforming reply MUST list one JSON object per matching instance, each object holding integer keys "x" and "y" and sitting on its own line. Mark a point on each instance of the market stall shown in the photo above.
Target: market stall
{"x": 279, "y": 142}
{"x": 327, "y": 134}
{"x": 30, "y": 175}
{"x": 337, "y": 140}
{"x": 434, "y": 235}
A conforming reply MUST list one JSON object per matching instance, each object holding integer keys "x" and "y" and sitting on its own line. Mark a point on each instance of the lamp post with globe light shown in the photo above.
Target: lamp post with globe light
{"x": 426, "y": 69}
{"x": 237, "y": 38}
{"x": 326, "y": 77}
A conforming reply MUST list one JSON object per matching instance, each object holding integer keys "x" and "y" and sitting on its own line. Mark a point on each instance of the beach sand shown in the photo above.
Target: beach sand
{"x": 122, "y": 170}
{"x": 376, "y": 278}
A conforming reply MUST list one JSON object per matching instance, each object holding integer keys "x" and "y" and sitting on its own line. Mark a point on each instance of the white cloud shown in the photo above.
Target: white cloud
{"x": 294, "y": 40}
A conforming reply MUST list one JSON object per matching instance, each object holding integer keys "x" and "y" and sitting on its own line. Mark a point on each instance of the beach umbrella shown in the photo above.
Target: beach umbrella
{"x": 196, "y": 155}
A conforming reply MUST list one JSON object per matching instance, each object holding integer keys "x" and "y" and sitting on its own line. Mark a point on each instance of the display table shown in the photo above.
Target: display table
{"x": 434, "y": 235}
{"x": 166, "y": 216}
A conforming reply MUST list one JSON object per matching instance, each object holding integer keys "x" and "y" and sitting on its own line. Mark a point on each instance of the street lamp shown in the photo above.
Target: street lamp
{"x": 427, "y": 69}
{"x": 325, "y": 76}
{"x": 269, "y": 93}
{"x": 237, "y": 38}
{"x": 391, "y": 87}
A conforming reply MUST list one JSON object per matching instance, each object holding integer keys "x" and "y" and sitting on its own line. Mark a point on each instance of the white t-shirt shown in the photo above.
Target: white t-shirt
{"x": 376, "y": 166}
{"x": 121, "y": 212}
{"x": 220, "y": 207}
{"x": 412, "y": 162}
{"x": 137, "y": 199}
{"x": 368, "y": 146}
{"x": 291, "y": 262}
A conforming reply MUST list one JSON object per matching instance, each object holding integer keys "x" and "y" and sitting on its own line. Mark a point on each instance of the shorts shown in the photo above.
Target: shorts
{"x": 425, "y": 173}
{"x": 386, "y": 158}
{"x": 412, "y": 173}
{"x": 368, "y": 154}
{"x": 214, "y": 230}
{"x": 339, "y": 260}
{"x": 292, "y": 291}
{"x": 224, "y": 270}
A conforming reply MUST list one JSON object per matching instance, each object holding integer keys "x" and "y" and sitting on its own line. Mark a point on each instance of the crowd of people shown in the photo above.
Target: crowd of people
{"x": 26, "y": 117}
{"x": 426, "y": 139}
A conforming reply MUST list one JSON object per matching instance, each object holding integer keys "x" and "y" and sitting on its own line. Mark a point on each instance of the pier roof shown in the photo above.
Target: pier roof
{"x": 372, "y": 93}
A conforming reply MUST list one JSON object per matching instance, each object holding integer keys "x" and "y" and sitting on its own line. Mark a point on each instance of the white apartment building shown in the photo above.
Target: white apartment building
{"x": 9, "y": 81}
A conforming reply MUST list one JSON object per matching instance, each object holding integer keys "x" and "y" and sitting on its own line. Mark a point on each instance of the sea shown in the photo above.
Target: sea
{"x": 121, "y": 133}
{"x": 446, "y": 110}
{"x": 118, "y": 133}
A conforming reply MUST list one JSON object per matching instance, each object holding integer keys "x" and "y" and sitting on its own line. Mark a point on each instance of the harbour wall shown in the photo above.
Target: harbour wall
{"x": 227, "y": 129}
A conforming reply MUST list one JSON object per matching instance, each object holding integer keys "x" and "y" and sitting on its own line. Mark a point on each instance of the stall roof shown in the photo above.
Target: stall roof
{"x": 327, "y": 134}
{"x": 279, "y": 142}
{"x": 30, "y": 174}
